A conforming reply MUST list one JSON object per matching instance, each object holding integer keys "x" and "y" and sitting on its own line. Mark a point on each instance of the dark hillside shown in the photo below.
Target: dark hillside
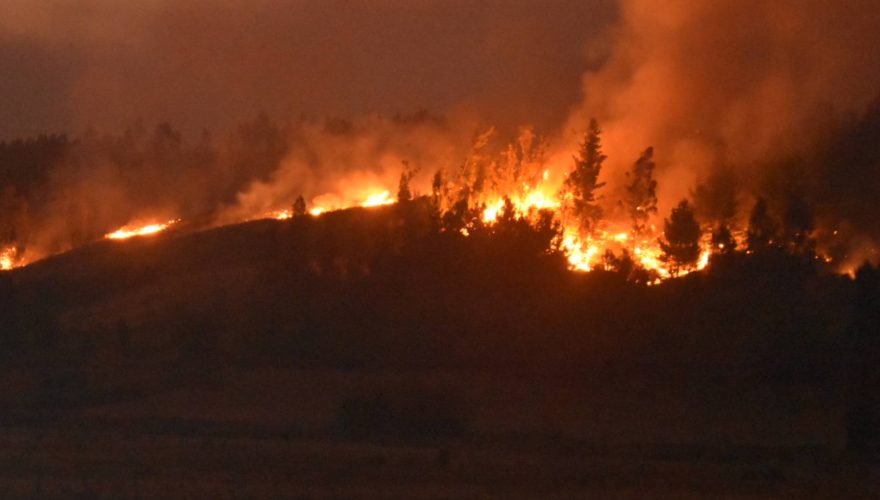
{"x": 369, "y": 325}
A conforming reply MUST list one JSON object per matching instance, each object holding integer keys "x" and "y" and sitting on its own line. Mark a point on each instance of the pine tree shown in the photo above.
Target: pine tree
{"x": 642, "y": 191}
{"x": 763, "y": 230}
{"x": 723, "y": 242}
{"x": 299, "y": 207}
{"x": 681, "y": 244}
{"x": 798, "y": 226}
{"x": 583, "y": 180}
{"x": 404, "y": 194}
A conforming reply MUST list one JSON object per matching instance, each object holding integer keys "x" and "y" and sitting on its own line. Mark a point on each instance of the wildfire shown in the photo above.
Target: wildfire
{"x": 372, "y": 200}
{"x": 126, "y": 232}
{"x": 8, "y": 258}
{"x": 604, "y": 247}
{"x": 587, "y": 253}
{"x": 378, "y": 199}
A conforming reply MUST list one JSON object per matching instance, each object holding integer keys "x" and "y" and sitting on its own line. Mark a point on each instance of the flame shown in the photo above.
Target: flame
{"x": 127, "y": 231}
{"x": 281, "y": 214}
{"x": 585, "y": 252}
{"x": 524, "y": 206}
{"x": 330, "y": 203}
{"x": 378, "y": 199}
{"x": 8, "y": 259}
{"x": 532, "y": 192}
{"x": 492, "y": 210}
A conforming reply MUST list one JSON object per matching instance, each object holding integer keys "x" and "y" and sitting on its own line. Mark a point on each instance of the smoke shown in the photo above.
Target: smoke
{"x": 728, "y": 92}
{"x": 209, "y": 65}
{"x": 339, "y": 163}
{"x": 713, "y": 84}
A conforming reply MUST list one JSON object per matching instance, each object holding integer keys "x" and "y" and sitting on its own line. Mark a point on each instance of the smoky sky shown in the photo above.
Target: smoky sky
{"x": 732, "y": 82}
{"x": 210, "y": 64}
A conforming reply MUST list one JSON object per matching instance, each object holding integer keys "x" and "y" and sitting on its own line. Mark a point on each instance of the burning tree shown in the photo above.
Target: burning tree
{"x": 583, "y": 180}
{"x": 404, "y": 193}
{"x": 681, "y": 246}
{"x": 798, "y": 226}
{"x": 715, "y": 201}
{"x": 642, "y": 191}
{"x": 763, "y": 229}
{"x": 723, "y": 242}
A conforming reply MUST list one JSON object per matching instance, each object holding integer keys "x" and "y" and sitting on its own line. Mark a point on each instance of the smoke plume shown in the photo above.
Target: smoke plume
{"x": 743, "y": 83}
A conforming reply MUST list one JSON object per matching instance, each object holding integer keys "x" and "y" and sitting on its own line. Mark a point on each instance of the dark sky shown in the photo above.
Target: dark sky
{"x": 214, "y": 63}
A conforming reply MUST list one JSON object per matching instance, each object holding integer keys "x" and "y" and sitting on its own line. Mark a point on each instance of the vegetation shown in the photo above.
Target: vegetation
{"x": 583, "y": 180}
{"x": 642, "y": 191}
{"x": 681, "y": 247}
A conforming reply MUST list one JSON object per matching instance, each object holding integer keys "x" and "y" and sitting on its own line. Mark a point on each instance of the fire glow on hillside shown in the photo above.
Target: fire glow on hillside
{"x": 528, "y": 199}
{"x": 595, "y": 228}
{"x": 130, "y": 231}
{"x": 8, "y": 259}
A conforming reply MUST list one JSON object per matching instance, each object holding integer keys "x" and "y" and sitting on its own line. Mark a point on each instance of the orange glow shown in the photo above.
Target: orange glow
{"x": 8, "y": 258}
{"x": 281, "y": 214}
{"x": 378, "y": 199}
{"x": 128, "y": 231}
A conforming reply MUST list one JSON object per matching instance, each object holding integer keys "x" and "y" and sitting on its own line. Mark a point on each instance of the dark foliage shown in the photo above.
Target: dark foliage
{"x": 641, "y": 200}
{"x": 299, "y": 207}
{"x": 583, "y": 180}
{"x": 681, "y": 243}
{"x": 763, "y": 232}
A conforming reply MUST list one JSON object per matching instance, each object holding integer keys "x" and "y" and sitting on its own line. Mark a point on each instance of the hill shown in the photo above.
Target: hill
{"x": 367, "y": 324}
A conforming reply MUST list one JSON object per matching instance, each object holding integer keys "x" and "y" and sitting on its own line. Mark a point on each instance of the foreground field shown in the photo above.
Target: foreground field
{"x": 296, "y": 434}
{"x": 166, "y": 459}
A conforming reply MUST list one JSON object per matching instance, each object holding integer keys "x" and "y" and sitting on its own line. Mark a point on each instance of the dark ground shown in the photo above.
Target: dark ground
{"x": 362, "y": 355}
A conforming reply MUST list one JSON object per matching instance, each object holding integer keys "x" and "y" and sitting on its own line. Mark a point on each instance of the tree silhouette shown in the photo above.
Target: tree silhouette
{"x": 583, "y": 180}
{"x": 715, "y": 197}
{"x": 681, "y": 246}
{"x": 459, "y": 215}
{"x": 642, "y": 191}
{"x": 763, "y": 229}
{"x": 623, "y": 265}
{"x": 299, "y": 207}
{"x": 723, "y": 242}
{"x": 404, "y": 194}
{"x": 798, "y": 226}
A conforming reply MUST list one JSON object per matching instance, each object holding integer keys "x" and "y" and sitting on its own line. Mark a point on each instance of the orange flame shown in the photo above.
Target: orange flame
{"x": 378, "y": 199}
{"x": 8, "y": 259}
{"x": 127, "y": 231}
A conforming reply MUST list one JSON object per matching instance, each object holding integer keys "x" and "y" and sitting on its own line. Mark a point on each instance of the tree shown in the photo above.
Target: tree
{"x": 642, "y": 191}
{"x": 681, "y": 246}
{"x": 715, "y": 197}
{"x": 763, "y": 229}
{"x": 299, "y": 207}
{"x": 437, "y": 188}
{"x": 404, "y": 194}
{"x": 798, "y": 225}
{"x": 460, "y": 214}
{"x": 623, "y": 265}
{"x": 583, "y": 180}
{"x": 715, "y": 204}
{"x": 723, "y": 242}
